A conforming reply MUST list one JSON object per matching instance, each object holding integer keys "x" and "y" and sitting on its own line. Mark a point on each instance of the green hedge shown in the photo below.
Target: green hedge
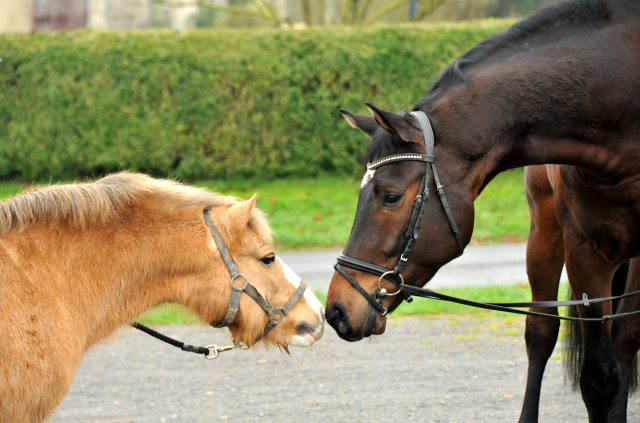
{"x": 209, "y": 104}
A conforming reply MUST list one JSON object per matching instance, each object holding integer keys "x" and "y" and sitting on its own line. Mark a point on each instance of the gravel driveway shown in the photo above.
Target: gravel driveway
{"x": 447, "y": 369}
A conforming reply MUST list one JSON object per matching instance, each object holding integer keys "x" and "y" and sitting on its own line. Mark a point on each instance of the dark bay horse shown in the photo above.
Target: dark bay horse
{"x": 563, "y": 87}
{"x": 545, "y": 191}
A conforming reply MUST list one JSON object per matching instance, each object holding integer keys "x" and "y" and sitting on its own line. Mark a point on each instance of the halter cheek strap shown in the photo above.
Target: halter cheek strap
{"x": 275, "y": 313}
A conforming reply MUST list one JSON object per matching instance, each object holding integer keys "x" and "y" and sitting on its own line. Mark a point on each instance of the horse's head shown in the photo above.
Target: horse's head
{"x": 246, "y": 233}
{"x": 385, "y": 205}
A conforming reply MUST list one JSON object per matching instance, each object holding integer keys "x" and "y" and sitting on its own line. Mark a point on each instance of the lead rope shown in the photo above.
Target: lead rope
{"x": 209, "y": 352}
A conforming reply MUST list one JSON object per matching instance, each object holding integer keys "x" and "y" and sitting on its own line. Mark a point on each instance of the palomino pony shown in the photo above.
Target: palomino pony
{"x": 562, "y": 86}
{"x": 80, "y": 260}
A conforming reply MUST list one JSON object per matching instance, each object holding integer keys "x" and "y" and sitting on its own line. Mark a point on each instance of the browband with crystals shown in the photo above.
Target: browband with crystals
{"x": 401, "y": 157}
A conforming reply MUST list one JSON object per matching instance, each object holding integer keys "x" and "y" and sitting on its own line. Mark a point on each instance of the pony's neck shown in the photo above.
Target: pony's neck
{"x": 105, "y": 276}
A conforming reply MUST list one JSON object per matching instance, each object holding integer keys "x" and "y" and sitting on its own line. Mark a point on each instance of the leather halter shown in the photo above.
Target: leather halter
{"x": 411, "y": 235}
{"x": 275, "y": 314}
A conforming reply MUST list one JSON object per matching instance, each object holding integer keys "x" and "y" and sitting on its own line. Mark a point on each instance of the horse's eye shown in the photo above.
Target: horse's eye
{"x": 268, "y": 259}
{"x": 392, "y": 199}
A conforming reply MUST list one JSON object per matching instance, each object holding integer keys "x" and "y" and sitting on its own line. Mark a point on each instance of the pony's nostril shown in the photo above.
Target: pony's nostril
{"x": 304, "y": 328}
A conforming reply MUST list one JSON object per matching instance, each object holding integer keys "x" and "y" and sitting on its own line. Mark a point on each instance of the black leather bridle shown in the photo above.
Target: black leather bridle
{"x": 379, "y": 293}
{"x": 413, "y": 230}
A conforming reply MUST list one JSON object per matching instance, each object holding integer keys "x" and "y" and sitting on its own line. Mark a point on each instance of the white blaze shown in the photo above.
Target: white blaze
{"x": 367, "y": 177}
{"x": 312, "y": 301}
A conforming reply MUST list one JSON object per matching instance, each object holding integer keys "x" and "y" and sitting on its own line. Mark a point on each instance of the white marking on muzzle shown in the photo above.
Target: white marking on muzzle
{"x": 367, "y": 177}
{"x": 312, "y": 301}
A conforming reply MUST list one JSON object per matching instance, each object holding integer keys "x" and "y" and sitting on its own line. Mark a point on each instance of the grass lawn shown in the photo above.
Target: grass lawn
{"x": 171, "y": 313}
{"x": 318, "y": 213}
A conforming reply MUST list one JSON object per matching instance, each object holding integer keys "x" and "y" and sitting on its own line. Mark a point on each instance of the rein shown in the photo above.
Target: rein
{"x": 512, "y": 307}
{"x": 377, "y": 296}
{"x": 275, "y": 313}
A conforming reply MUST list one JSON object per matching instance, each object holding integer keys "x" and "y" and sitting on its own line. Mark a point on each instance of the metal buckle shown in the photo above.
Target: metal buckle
{"x": 237, "y": 275}
{"x": 403, "y": 258}
{"x": 277, "y": 311}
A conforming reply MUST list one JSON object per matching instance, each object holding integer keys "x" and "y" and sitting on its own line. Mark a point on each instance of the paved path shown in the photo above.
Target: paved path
{"x": 438, "y": 370}
{"x": 478, "y": 266}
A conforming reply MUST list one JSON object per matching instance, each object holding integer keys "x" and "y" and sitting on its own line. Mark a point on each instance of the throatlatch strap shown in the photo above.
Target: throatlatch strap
{"x": 429, "y": 140}
{"x": 447, "y": 211}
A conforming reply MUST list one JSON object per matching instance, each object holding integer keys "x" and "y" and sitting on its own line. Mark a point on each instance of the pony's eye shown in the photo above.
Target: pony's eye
{"x": 268, "y": 259}
{"x": 392, "y": 199}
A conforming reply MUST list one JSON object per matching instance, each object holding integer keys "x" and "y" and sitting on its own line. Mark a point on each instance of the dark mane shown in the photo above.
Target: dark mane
{"x": 581, "y": 13}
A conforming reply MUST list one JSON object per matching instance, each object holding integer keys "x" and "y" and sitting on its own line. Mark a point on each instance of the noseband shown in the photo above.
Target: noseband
{"x": 411, "y": 235}
{"x": 275, "y": 314}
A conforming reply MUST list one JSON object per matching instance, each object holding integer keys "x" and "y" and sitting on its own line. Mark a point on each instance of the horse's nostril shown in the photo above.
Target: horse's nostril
{"x": 338, "y": 318}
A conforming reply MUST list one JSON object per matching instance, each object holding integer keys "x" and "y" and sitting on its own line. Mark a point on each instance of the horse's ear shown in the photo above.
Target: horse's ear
{"x": 240, "y": 213}
{"x": 405, "y": 129}
{"x": 366, "y": 124}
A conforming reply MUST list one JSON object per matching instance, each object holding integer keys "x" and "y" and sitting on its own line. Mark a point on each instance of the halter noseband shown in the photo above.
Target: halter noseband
{"x": 276, "y": 314}
{"x": 411, "y": 235}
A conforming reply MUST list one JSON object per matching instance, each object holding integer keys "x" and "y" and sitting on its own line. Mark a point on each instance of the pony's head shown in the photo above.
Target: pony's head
{"x": 385, "y": 204}
{"x": 247, "y": 235}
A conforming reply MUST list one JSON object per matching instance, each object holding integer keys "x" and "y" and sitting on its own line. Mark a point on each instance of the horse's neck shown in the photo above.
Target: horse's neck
{"x": 103, "y": 277}
{"x": 565, "y": 105}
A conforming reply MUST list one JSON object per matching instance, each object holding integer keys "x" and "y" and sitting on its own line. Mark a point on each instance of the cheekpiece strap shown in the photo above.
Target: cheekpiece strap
{"x": 236, "y": 291}
{"x": 222, "y": 247}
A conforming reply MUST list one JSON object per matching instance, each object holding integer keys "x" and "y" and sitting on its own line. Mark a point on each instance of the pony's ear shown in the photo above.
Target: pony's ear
{"x": 366, "y": 124}
{"x": 404, "y": 129}
{"x": 240, "y": 213}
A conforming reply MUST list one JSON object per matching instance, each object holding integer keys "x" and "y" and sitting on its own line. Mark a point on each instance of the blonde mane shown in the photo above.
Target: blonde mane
{"x": 97, "y": 202}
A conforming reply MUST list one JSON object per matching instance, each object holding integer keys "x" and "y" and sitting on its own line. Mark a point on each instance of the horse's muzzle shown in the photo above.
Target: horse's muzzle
{"x": 339, "y": 319}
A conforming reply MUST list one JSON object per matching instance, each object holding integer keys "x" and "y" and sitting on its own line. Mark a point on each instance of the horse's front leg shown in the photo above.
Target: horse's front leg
{"x": 626, "y": 342}
{"x": 545, "y": 259}
{"x": 590, "y": 274}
